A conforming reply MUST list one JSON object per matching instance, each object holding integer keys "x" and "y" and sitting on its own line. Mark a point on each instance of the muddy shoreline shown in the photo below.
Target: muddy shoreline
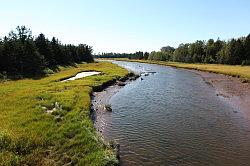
{"x": 100, "y": 98}
{"x": 233, "y": 90}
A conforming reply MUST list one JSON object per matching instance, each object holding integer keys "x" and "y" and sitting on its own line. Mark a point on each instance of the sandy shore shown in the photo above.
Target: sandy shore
{"x": 232, "y": 89}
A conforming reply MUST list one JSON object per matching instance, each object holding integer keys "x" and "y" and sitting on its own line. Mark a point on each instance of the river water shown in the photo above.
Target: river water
{"x": 173, "y": 117}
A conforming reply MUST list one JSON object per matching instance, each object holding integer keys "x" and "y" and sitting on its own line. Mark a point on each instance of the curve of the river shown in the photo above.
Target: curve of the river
{"x": 173, "y": 117}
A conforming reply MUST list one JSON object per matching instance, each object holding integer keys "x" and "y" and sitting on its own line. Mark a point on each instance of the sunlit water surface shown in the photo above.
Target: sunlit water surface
{"x": 173, "y": 117}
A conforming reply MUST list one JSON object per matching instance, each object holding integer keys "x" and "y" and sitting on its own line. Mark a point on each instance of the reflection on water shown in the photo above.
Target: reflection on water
{"x": 173, "y": 117}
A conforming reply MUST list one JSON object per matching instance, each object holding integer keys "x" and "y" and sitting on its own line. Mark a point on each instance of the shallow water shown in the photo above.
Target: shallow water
{"x": 81, "y": 75}
{"x": 173, "y": 117}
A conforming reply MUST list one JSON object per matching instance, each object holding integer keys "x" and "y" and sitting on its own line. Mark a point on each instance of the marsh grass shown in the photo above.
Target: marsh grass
{"x": 29, "y": 135}
{"x": 242, "y": 72}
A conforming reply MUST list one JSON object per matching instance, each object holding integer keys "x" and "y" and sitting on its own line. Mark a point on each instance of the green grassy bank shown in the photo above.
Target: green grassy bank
{"x": 29, "y": 135}
{"x": 232, "y": 70}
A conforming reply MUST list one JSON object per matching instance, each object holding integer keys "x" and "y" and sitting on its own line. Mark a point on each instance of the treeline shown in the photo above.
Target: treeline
{"x": 22, "y": 54}
{"x": 136, "y": 55}
{"x": 233, "y": 52}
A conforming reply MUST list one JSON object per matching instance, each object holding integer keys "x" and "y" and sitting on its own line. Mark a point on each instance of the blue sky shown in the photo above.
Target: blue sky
{"x": 128, "y": 25}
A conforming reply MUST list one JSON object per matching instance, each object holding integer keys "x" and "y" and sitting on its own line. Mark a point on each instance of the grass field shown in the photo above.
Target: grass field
{"x": 31, "y": 136}
{"x": 232, "y": 70}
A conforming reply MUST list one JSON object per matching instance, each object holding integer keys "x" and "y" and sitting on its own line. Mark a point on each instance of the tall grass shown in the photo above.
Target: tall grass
{"x": 29, "y": 135}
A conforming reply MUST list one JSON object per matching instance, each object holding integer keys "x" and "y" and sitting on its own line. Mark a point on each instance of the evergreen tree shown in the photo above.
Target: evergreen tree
{"x": 1, "y": 55}
{"x": 247, "y": 48}
{"x": 145, "y": 56}
{"x": 84, "y": 53}
{"x": 20, "y": 54}
{"x": 44, "y": 48}
{"x": 239, "y": 52}
{"x": 57, "y": 51}
{"x": 28, "y": 60}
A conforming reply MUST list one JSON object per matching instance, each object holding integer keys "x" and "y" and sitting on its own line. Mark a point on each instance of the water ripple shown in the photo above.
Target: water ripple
{"x": 174, "y": 118}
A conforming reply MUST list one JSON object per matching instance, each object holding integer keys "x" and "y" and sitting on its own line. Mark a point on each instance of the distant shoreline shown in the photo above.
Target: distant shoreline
{"x": 242, "y": 72}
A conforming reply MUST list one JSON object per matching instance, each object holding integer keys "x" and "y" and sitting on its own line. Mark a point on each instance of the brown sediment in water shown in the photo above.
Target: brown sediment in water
{"x": 234, "y": 90}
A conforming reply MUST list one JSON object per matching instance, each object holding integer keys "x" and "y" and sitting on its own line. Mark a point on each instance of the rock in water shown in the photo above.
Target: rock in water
{"x": 108, "y": 108}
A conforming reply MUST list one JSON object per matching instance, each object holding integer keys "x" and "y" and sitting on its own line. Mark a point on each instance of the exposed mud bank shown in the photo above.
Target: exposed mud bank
{"x": 232, "y": 89}
{"x": 100, "y": 103}
{"x": 101, "y": 95}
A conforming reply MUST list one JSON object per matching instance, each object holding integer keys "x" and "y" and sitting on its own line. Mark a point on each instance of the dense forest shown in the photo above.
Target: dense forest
{"x": 233, "y": 52}
{"x": 21, "y": 54}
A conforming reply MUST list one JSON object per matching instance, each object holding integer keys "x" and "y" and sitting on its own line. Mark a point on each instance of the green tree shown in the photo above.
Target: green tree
{"x": 44, "y": 48}
{"x": 247, "y": 48}
{"x": 21, "y": 54}
{"x": 218, "y": 45}
{"x": 181, "y": 54}
{"x": 210, "y": 52}
{"x": 145, "y": 56}
{"x": 239, "y": 52}
{"x": 232, "y": 53}
{"x": 1, "y": 55}
{"x": 57, "y": 51}
{"x": 33, "y": 62}
{"x": 168, "y": 51}
{"x": 9, "y": 59}
{"x": 196, "y": 51}
{"x": 84, "y": 52}
{"x": 157, "y": 56}
{"x": 151, "y": 55}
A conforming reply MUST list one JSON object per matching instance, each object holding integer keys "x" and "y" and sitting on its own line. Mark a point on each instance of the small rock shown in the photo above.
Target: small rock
{"x": 108, "y": 108}
{"x": 119, "y": 83}
{"x": 244, "y": 81}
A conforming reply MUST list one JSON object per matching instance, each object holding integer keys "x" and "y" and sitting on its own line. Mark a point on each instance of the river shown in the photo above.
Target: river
{"x": 173, "y": 117}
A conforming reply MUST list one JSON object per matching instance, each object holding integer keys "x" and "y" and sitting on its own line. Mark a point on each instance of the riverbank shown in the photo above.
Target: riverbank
{"x": 232, "y": 82}
{"x": 46, "y": 122}
{"x": 242, "y": 72}
{"x": 100, "y": 99}
{"x": 231, "y": 89}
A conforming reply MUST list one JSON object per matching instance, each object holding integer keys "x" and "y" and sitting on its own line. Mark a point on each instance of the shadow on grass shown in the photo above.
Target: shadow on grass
{"x": 4, "y": 76}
